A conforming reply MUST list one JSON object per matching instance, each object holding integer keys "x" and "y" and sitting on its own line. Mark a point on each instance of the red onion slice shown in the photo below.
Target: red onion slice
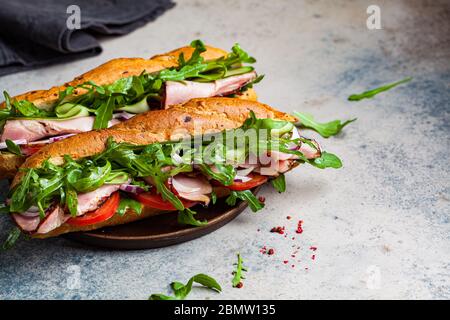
{"x": 241, "y": 179}
{"x": 131, "y": 188}
{"x": 31, "y": 212}
{"x": 122, "y": 116}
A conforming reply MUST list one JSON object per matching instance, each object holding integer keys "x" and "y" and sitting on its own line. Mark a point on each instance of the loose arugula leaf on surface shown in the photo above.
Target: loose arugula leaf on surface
{"x": 326, "y": 129}
{"x": 238, "y": 272}
{"x": 4, "y": 208}
{"x": 127, "y": 203}
{"x": 374, "y": 92}
{"x": 11, "y": 239}
{"x": 245, "y": 195}
{"x": 327, "y": 160}
{"x": 12, "y": 147}
{"x": 181, "y": 291}
{"x": 279, "y": 183}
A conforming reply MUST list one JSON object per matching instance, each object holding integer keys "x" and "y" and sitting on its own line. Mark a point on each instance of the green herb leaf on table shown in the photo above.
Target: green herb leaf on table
{"x": 327, "y": 160}
{"x": 181, "y": 291}
{"x": 11, "y": 239}
{"x": 13, "y": 148}
{"x": 371, "y": 93}
{"x": 238, "y": 272}
{"x": 326, "y": 129}
{"x": 279, "y": 183}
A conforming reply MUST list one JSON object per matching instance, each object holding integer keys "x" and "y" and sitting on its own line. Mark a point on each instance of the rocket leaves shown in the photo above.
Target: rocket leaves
{"x": 181, "y": 291}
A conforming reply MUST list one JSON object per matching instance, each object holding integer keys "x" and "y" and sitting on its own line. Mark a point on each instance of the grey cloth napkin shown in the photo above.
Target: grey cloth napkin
{"x": 34, "y": 33}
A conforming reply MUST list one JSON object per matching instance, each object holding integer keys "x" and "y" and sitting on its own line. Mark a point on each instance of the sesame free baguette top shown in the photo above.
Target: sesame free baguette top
{"x": 197, "y": 116}
{"x": 114, "y": 70}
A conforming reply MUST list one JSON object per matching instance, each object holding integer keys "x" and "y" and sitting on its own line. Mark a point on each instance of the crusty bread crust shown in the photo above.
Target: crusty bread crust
{"x": 114, "y": 70}
{"x": 193, "y": 117}
{"x": 9, "y": 164}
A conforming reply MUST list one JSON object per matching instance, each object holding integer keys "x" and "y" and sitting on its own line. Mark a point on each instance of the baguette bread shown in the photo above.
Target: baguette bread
{"x": 210, "y": 114}
{"x": 105, "y": 74}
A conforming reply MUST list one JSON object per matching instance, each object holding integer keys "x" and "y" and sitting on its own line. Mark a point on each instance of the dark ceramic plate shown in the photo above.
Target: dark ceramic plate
{"x": 160, "y": 231}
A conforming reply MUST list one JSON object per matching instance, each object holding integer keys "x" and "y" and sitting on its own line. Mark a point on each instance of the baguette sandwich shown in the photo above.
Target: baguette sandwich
{"x": 116, "y": 91}
{"x": 164, "y": 161}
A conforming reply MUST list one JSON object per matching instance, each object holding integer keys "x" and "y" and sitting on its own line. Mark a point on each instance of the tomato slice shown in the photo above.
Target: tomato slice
{"x": 153, "y": 200}
{"x": 106, "y": 211}
{"x": 256, "y": 180}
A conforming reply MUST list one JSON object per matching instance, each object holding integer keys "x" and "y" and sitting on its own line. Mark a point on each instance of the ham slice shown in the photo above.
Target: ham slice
{"x": 180, "y": 92}
{"x": 90, "y": 201}
{"x": 310, "y": 152}
{"x": 192, "y": 188}
{"x": 26, "y": 223}
{"x": 53, "y": 220}
{"x": 32, "y": 130}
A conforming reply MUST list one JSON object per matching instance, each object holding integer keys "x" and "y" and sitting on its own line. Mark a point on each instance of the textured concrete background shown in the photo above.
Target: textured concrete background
{"x": 380, "y": 224}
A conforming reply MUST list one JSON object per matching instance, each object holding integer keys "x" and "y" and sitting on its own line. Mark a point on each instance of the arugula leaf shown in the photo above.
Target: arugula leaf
{"x": 90, "y": 178}
{"x": 213, "y": 197}
{"x": 28, "y": 109}
{"x": 71, "y": 200}
{"x": 326, "y": 129}
{"x": 186, "y": 216}
{"x": 181, "y": 291}
{"x": 12, "y": 238}
{"x": 245, "y": 195}
{"x": 224, "y": 173}
{"x": 374, "y": 92}
{"x": 251, "y": 83}
{"x": 127, "y": 203}
{"x": 327, "y": 160}
{"x": 20, "y": 199}
{"x": 279, "y": 183}
{"x": 238, "y": 273}
{"x": 104, "y": 114}
{"x": 13, "y": 148}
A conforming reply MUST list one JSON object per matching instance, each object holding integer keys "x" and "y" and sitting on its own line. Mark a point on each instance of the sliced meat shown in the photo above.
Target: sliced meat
{"x": 275, "y": 168}
{"x": 192, "y": 188}
{"x": 32, "y": 130}
{"x": 280, "y": 156}
{"x": 26, "y": 223}
{"x": 310, "y": 152}
{"x": 179, "y": 92}
{"x": 54, "y": 218}
{"x": 90, "y": 201}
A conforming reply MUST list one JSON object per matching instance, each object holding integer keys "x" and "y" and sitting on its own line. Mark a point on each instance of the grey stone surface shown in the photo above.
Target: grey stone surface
{"x": 384, "y": 216}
